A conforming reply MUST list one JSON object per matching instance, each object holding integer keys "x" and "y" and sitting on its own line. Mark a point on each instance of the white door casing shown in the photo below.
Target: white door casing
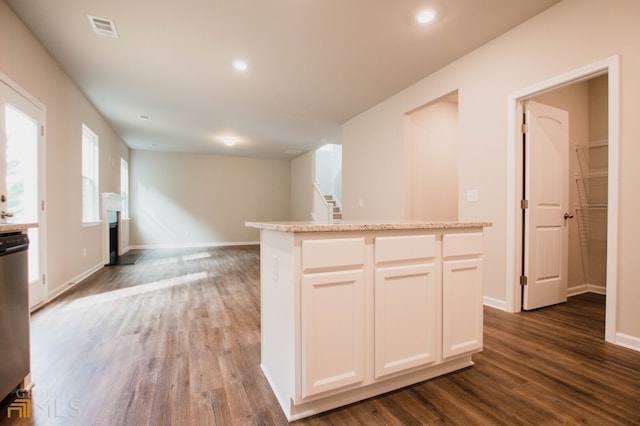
{"x": 24, "y": 118}
{"x": 547, "y": 191}
{"x": 513, "y": 302}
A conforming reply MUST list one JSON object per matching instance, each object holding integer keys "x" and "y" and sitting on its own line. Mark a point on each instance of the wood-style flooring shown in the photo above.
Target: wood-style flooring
{"x": 175, "y": 340}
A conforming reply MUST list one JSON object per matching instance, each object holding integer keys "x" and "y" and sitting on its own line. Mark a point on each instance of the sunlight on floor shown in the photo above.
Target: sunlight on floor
{"x": 176, "y": 259}
{"x": 114, "y": 295}
{"x": 196, "y": 256}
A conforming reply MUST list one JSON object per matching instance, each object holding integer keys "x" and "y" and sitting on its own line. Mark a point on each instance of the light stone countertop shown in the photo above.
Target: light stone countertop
{"x": 16, "y": 227}
{"x": 361, "y": 226}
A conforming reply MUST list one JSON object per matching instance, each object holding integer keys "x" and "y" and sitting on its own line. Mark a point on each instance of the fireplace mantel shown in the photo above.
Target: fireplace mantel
{"x": 111, "y": 202}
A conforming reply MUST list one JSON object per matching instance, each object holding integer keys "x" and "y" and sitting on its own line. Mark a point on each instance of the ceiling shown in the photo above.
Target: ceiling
{"x": 312, "y": 64}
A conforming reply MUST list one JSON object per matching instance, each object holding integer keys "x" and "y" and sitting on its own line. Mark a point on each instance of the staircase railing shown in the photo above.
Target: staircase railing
{"x": 322, "y": 210}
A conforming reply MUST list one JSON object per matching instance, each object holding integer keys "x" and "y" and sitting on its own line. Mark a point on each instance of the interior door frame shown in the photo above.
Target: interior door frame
{"x": 609, "y": 66}
{"x": 42, "y": 216}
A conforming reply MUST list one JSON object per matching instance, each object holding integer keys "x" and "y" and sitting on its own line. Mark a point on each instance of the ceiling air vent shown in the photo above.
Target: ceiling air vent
{"x": 103, "y": 27}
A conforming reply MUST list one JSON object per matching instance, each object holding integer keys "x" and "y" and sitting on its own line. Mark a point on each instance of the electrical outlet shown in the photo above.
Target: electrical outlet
{"x": 472, "y": 195}
{"x": 84, "y": 252}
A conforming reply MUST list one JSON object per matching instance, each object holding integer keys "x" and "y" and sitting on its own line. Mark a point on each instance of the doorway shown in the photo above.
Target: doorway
{"x": 22, "y": 177}
{"x": 515, "y": 261}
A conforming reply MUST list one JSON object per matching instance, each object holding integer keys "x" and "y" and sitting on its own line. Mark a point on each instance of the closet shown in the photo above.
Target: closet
{"x": 587, "y": 104}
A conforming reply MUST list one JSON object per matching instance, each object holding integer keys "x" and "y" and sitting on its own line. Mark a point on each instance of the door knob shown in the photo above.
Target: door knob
{"x": 568, "y": 216}
{"x": 5, "y": 215}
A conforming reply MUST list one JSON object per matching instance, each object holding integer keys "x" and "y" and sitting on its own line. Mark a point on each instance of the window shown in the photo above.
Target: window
{"x": 124, "y": 187}
{"x": 90, "y": 196}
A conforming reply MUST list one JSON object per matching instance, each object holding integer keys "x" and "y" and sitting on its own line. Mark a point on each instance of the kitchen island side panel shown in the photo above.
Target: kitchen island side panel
{"x": 277, "y": 276}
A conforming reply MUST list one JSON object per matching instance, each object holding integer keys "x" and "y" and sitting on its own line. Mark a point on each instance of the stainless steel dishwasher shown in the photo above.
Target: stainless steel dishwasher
{"x": 14, "y": 311}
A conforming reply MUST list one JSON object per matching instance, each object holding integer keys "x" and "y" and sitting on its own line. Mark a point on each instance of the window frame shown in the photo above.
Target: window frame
{"x": 124, "y": 187}
{"x": 90, "y": 177}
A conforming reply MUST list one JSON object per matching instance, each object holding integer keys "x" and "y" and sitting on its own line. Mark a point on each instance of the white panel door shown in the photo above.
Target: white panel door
{"x": 461, "y": 306}
{"x": 332, "y": 330}
{"x": 21, "y": 186}
{"x": 405, "y": 317}
{"x": 547, "y": 189}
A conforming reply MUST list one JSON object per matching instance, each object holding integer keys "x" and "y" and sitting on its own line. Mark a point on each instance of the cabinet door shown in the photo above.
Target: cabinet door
{"x": 405, "y": 317}
{"x": 332, "y": 330}
{"x": 461, "y": 307}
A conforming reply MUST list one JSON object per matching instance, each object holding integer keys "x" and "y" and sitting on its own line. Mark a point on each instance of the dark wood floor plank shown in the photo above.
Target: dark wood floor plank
{"x": 175, "y": 340}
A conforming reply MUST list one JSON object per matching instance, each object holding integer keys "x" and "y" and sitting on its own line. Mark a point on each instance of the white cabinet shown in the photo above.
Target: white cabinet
{"x": 405, "y": 303}
{"x": 461, "y": 294}
{"x": 332, "y": 330}
{"x": 332, "y": 314}
{"x": 350, "y": 315}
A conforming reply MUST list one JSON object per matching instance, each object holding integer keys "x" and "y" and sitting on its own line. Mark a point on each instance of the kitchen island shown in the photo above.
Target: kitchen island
{"x": 351, "y": 310}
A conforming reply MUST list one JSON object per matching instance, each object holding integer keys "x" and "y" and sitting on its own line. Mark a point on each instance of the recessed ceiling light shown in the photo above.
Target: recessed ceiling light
{"x": 425, "y": 16}
{"x": 229, "y": 140}
{"x": 240, "y": 65}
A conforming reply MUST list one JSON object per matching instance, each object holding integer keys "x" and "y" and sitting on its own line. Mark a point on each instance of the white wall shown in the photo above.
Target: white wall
{"x": 193, "y": 199}
{"x": 432, "y": 162}
{"x": 302, "y": 177}
{"x": 25, "y": 61}
{"x": 566, "y": 37}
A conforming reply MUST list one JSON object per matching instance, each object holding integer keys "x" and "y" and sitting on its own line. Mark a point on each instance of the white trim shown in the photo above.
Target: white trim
{"x": 193, "y": 245}
{"x": 630, "y": 342}
{"x": 609, "y": 66}
{"x": 69, "y": 284}
{"x": 597, "y": 289}
{"x": 577, "y": 289}
{"x": 586, "y": 288}
{"x": 111, "y": 201}
{"x": 494, "y": 303}
{"x": 90, "y": 224}
{"x": 42, "y": 180}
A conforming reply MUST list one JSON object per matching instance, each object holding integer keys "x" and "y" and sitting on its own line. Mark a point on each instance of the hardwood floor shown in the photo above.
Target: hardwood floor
{"x": 175, "y": 340}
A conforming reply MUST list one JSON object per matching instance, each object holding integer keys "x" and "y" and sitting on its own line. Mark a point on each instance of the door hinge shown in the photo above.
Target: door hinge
{"x": 524, "y": 204}
{"x": 42, "y": 205}
{"x": 525, "y": 127}
{"x": 523, "y": 280}
{"x": 42, "y": 131}
{"x": 44, "y": 279}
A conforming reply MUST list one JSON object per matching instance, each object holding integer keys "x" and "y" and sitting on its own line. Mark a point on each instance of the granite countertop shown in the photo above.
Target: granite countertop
{"x": 16, "y": 227}
{"x": 361, "y": 226}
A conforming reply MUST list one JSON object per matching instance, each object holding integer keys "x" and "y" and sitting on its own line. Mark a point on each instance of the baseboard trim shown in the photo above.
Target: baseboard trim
{"x": 193, "y": 245}
{"x": 586, "y": 288}
{"x": 66, "y": 286}
{"x": 495, "y": 303}
{"x": 578, "y": 289}
{"x": 571, "y": 291}
{"x": 627, "y": 341}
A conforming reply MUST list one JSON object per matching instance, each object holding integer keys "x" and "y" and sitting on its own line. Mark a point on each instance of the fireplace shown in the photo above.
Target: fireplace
{"x": 113, "y": 242}
{"x": 114, "y": 220}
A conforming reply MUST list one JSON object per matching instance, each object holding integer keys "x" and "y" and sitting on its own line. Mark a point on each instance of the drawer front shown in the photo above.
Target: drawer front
{"x": 462, "y": 244}
{"x": 406, "y": 247}
{"x": 333, "y": 253}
